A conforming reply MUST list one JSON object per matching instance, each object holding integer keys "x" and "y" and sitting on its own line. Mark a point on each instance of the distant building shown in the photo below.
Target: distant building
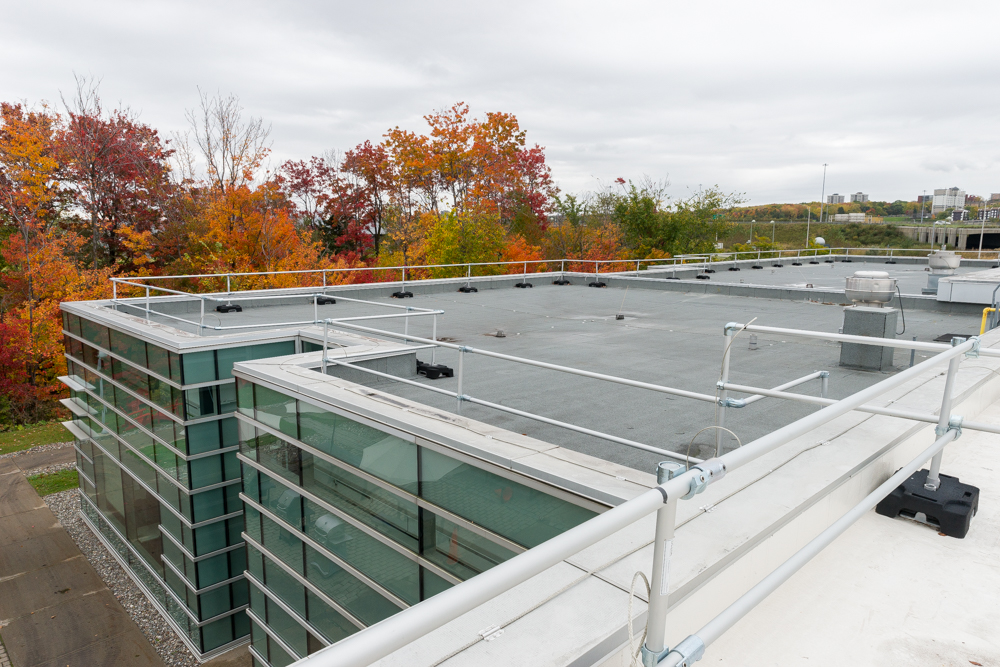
{"x": 989, "y": 214}
{"x": 835, "y": 199}
{"x": 995, "y": 196}
{"x": 859, "y": 197}
{"x": 849, "y": 217}
{"x": 959, "y": 214}
{"x": 947, "y": 198}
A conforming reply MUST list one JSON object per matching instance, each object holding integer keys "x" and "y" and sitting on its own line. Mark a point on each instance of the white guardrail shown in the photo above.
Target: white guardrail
{"x": 676, "y": 482}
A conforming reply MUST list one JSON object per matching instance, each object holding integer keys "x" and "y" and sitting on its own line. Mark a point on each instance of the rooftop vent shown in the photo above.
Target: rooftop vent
{"x": 870, "y": 288}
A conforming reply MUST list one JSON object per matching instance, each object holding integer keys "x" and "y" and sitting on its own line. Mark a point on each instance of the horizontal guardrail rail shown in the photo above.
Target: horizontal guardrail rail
{"x": 367, "y": 646}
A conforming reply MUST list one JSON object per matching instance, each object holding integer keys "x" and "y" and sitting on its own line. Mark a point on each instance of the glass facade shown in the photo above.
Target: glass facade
{"x": 347, "y": 524}
{"x": 248, "y": 512}
{"x": 160, "y": 476}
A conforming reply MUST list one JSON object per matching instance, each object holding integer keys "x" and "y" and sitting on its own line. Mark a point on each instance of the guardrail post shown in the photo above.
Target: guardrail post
{"x": 458, "y": 398}
{"x": 324, "y": 278}
{"x": 934, "y": 475}
{"x": 406, "y": 325}
{"x": 434, "y": 337}
{"x": 201, "y": 322}
{"x": 147, "y": 304}
{"x": 720, "y": 408}
{"x": 824, "y": 383}
{"x": 913, "y": 354}
{"x": 655, "y": 647}
{"x": 114, "y": 289}
{"x": 315, "y": 308}
{"x": 326, "y": 332}
{"x": 228, "y": 289}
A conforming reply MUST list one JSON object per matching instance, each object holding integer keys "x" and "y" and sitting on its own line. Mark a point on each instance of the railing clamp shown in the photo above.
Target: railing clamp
{"x": 732, "y": 403}
{"x": 824, "y": 374}
{"x": 706, "y": 472}
{"x": 463, "y": 397}
{"x": 973, "y": 352}
{"x": 730, "y": 327}
{"x": 690, "y": 650}
{"x": 954, "y": 424}
{"x": 650, "y": 659}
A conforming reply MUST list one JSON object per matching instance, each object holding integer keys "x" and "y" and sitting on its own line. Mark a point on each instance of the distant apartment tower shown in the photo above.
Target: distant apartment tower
{"x": 995, "y": 196}
{"x": 835, "y": 199}
{"x": 947, "y": 198}
{"x": 859, "y": 197}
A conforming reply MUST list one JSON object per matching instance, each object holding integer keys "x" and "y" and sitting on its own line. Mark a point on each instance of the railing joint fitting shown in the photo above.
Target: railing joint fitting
{"x": 706, "y": 472}
{"x": 973, "y": 352}
{"x": 731, "y": 327}
{"x": 824, "y": 374}
{"x": 651, "y": 659}
{"x": 732, "y": 402}
{"x": 691, "y": 650}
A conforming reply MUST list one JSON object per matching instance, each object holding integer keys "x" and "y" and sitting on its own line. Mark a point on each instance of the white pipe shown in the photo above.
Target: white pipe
{"x": 378, "y": 641}
{"x": 864, "y": 340}
{"x": 715, "y": 628}
{"x": 555, "y": 367}
{"x": 871, "y": 409}
{"x": 780, "y": 387}
{"x": 586, "y": 431}
{"x": 944, "y": 416}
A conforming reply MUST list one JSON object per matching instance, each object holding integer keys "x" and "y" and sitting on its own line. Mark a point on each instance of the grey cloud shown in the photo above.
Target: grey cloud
{"x": 752, "y": 96}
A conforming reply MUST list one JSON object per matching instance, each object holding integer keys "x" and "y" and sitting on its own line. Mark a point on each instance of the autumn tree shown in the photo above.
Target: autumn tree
{"x": 232, "y": 145}
{"x": 115, "y": 167}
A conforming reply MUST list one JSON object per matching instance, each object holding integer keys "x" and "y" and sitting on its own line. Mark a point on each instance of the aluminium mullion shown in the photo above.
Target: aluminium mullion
{"x": 159, "y": 408}
{"x": 386, "y": 486}
{"x": 187, "y": 522}
{"x": 302, "y": 580}
{"x": 81, "y": 452}
{"x": 358, "y": 574}
{"x": 273, "y": 635}
{"x": 287, "y": 608}
{"x": 548, "y": 488}
{"x": 115, "y": 355}
{"x": 199, "y": 591}
{"x": 363, "y": 527}
{"x": 183, "y": 489}
{"x": 188, "y": 554}
{"x": 173, "y": 417}
{"x": 84, "y": 475}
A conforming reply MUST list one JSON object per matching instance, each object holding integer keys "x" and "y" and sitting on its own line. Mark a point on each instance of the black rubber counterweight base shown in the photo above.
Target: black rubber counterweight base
{"x": 434, "y": 371}
{"x": 950, "y": 508}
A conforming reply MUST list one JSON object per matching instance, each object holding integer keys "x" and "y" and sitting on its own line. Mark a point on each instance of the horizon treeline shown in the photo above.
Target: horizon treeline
{"x": 89, "y": 192}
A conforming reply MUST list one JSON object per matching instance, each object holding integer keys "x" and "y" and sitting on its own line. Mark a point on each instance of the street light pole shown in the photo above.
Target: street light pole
{"x": 809, "y": 214}
{"x": 822, "y": 197}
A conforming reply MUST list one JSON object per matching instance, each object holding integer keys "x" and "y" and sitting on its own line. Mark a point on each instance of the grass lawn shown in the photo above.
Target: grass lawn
{"x": 44, "y": 433}
{"x": 54, "y": 482}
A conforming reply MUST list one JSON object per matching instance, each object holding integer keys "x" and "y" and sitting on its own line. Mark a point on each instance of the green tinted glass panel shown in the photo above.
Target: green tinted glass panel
{"x": 328, "y": 620}
{"x": 201, "y": 402}
{"x": 354, "y": 595}
{"x": 382, "y": 563}
{"x": 203, "y": 437}
{"x": 458, "y": 550}
{"x": 521, "y": 514}
{"x": 244, "y": 397}
{"x": 158, "y": 360}
{"x": 129, "y": 347}
{"x": 385, "y": 456}
{"x": 275, "y": 410}
{"x": 199, "y": 367}
{"x": 386, "y": 512}
{"x": 93, "y": 332}
{"x": 284, "y": 585}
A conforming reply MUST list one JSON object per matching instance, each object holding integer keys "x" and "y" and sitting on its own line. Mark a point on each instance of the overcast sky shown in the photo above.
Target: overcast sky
{"x": 897, "y": 97}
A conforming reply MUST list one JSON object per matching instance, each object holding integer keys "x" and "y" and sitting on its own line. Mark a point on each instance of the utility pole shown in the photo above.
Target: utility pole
{"x": 822, "y": 197}
{"x": 923, "y": 200}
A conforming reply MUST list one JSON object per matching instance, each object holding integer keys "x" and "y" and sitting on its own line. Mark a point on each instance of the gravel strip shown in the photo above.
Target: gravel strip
{"x": 38, "y": 448}
{"x": 173, "y": 652}
{"x": 48, "y": 470}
